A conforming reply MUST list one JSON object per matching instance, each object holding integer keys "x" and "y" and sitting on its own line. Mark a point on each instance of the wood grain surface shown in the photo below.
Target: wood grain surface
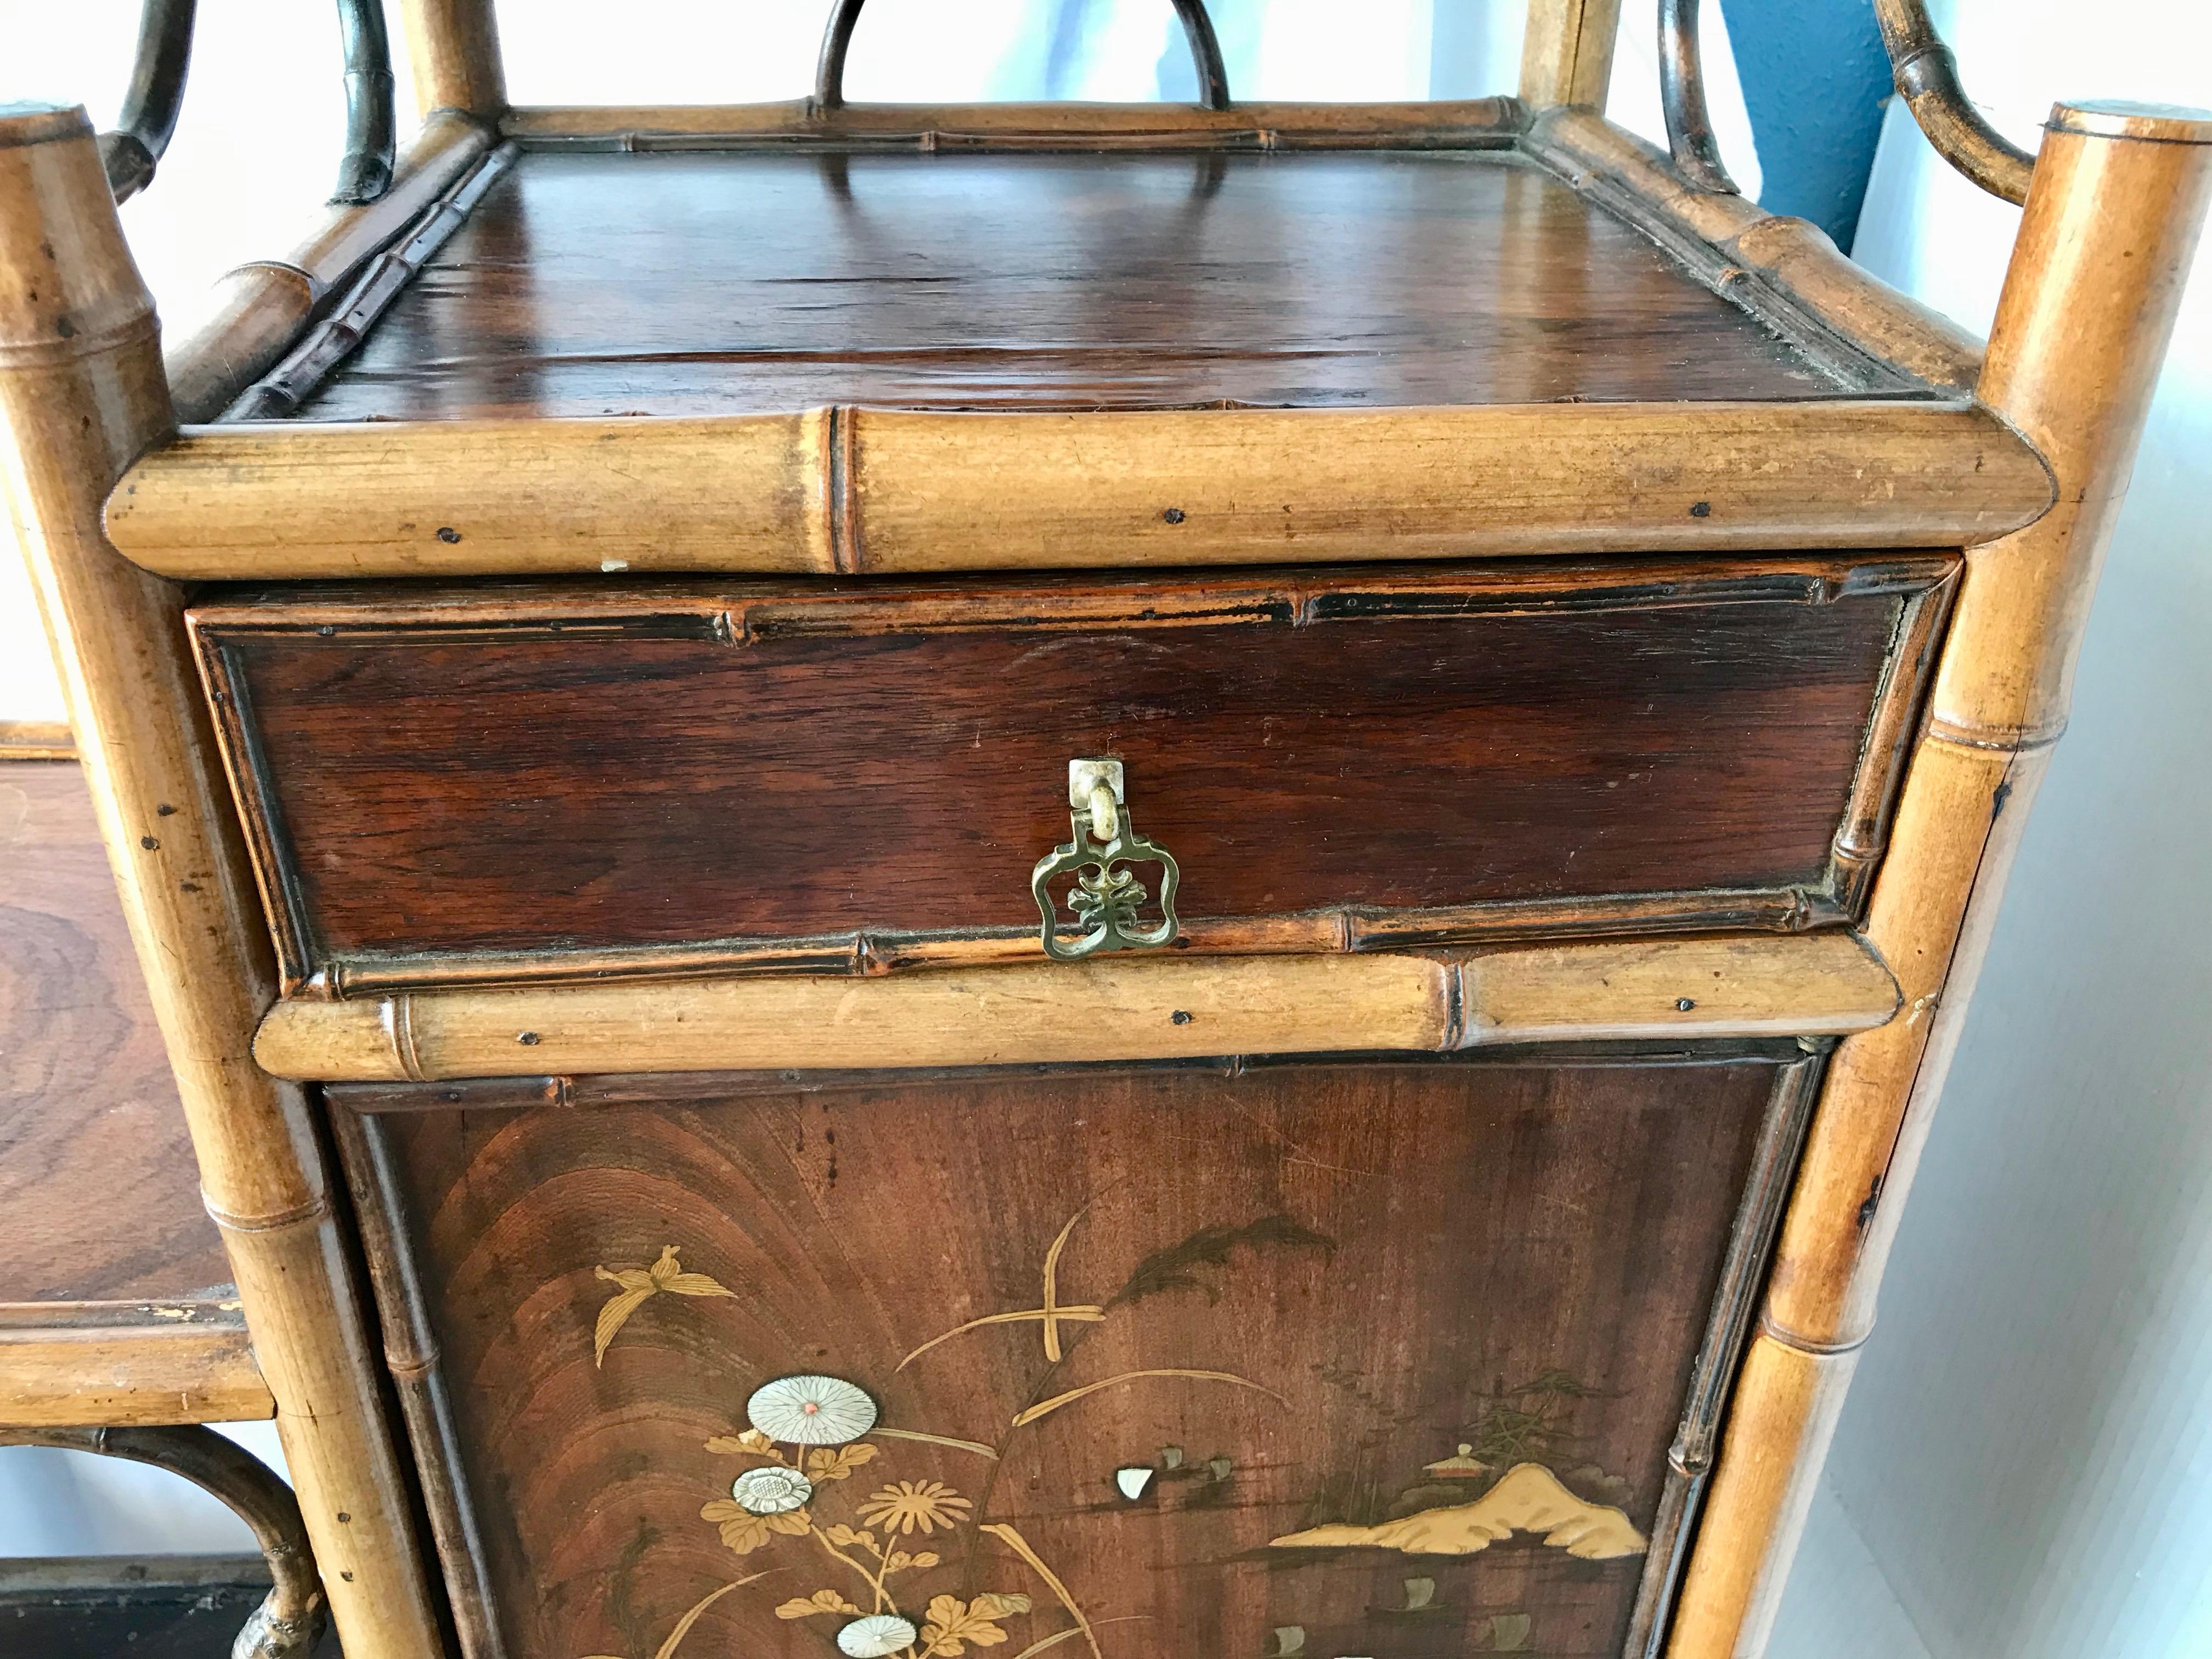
{"x": 1376, "y": 1264}
{"x": 99, "y": 1196}
{"x": 566, "y": 771}
{"x": 674, "y": 284}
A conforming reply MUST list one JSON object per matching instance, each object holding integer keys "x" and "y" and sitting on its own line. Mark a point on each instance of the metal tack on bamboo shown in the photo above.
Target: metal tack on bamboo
{"x": 2111, "y": 221}
{"x": 81, "y": 391}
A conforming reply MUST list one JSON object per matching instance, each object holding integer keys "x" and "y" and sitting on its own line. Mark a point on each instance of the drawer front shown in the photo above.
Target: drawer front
{"x": 502, "y": 782}
{"x": 1304, "y": 1360}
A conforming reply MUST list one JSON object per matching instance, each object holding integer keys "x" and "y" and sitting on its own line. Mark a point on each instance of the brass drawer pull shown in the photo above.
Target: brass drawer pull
{"x": 1106, "y": 899}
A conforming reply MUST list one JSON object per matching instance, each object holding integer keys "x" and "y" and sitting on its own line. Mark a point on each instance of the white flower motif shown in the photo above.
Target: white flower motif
{"x": 811, "y": 1411}
{"x": 874, "y": 1636}
{"x": 772, "y": 1492}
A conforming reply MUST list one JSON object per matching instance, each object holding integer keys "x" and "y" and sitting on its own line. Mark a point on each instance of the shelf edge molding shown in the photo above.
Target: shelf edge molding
{"x": 1817, "y": 985}
{"x": 864, "y": 491}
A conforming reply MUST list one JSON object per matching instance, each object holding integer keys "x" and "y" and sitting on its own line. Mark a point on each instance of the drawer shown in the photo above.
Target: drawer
{"x": 1294, "y": 1360}
{"x": 512, "y": 781}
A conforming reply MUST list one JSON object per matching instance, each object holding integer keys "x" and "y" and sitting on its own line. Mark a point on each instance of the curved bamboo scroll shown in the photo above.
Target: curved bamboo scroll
{"x": 1927, "y": 78}
{"x": 366, "y": 173}
{"x": 130, "y": 153}
{"x": 289, "y": 1620}
{"x": 1197, "y": 29}
{"x": 1682, "y": 94}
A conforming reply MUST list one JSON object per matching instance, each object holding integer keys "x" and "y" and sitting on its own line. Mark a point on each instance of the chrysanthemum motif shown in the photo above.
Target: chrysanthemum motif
{"x": 811, "y": 1411}
{"x": 772, "y": 1492}
{"x": 875, "y": 1636}
{"x": 910, "y": 1506}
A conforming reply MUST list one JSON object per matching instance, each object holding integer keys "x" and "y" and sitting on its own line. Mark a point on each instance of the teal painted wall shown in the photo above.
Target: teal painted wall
{"x": 1815, "y": 79}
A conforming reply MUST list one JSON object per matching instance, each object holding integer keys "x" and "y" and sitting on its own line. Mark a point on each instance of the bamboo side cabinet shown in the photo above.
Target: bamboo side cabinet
{"x": 1143, "y": 879}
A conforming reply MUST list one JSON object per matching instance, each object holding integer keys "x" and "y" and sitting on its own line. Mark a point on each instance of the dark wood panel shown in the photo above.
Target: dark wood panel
{"x": 578, "y": 771}
{"x": 98, "y": 1185}
{"x": 1376, "y": 1264}
{"x": 609, "y": 284}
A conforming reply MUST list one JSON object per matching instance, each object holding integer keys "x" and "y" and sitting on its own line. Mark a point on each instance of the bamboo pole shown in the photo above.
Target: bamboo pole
{"x": 98, "y": 1365}
{"x": 1473, "y": 122}
{"x": 81, "y": 392}
{"x": 262, "y": 308}
{"x": 1566, "y": 51}
{"x": 1124, "y": 1008}
{"x": 844, "y": 491}
{"x": 1793, "y": 258}
{"x": 452, "y": 47}
{"x": 2111, "y": 221}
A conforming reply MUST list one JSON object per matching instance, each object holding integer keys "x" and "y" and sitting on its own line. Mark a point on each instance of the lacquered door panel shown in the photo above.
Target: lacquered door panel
{"x": 1341, "y": 1359}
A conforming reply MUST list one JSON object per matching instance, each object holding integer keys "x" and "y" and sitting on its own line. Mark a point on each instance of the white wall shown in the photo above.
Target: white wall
{"x": 2026, "y": 1454}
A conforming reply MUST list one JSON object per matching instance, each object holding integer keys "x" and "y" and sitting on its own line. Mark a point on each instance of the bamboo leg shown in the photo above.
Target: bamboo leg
{"x": 1566, "y": 56}
{"x": 81, "y": 391}
{"x": 2111, "y": 222}
{"x": 454, "y": 48}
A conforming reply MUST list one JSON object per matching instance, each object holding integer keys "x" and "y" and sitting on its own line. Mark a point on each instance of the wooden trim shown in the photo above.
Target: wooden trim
{"x": 2105, "y": 244}
{"x": 934, "y": 492}
{"x": 1773, "y": 264}
{"x": 292, "y": 381}
{"x": 262, "y": 308}
{"x": 452, "y": 48}
{"x": 1743, "y": 1276}
{"x": 1128, "y": 1008}
{"x": 98, "y": 1364}
{"x": 1566, "y": 51}
{"x": 36, "y": 740}
{"x": 1471, "y": 124}
{"x": 411, "y": 1354}
{"x": 81, "y": 391}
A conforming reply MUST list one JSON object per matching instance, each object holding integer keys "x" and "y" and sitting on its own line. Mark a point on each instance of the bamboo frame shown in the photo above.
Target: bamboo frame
{"x": 452, "y": 48}
{"x": 93, "y": 1365}
{"x": 263, "y": 307}
{"x": 1926, "y": 76}
{"x": 1125, "y": 1008}
{"x": 2112, "y": 217}
{"x": 1477, "y": 123}
{"x": 846, "y": 491}
{"x": 1567, "y": 52}
{"x": 1775, "y": 266}
{"x": 288, "y": 1622}
{"x": 149, "y": 118}
{"x": 81, "y": 392}
{"x": 1197, "y": 29}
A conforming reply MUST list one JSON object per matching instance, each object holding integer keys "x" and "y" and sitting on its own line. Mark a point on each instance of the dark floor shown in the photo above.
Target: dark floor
{"x": 98, "y": 1607}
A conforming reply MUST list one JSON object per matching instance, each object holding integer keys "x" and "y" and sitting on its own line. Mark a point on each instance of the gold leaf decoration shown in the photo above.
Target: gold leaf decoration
{"x": 636, "y": 1286}
{"x": 953, "y": 1623}
{"x": 823, "y": 1600}
{"x": 836, "y": 1462}
{"x": 845, "y": 1538}
{"x": 744, "y": 1532}
{"x": 1045, "y": 1408}
{"x": 976, "y": 1446}
{"x": 913, "y": 1506}
{"x": 1011, "y": 1536}
{"x": 751, "y": 1443}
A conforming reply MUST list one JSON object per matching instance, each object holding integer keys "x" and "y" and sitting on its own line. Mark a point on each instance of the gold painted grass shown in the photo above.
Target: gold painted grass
{"x": 1046, "y": 1407}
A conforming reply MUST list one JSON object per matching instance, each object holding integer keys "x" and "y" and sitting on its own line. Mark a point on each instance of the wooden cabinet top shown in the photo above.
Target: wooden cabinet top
{"x": 744, "y": 282}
